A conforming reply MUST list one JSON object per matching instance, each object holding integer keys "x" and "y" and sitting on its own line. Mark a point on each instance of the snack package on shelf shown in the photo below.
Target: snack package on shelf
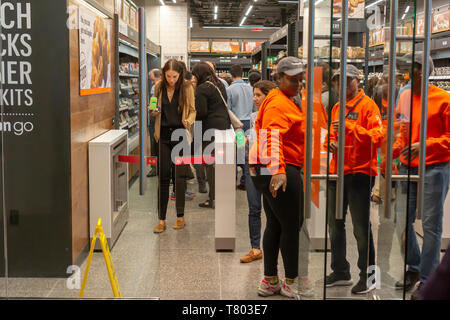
{"x": 300, "y": 52}
{"x": 335, "y": 52}
{"x": 324, "y": 51}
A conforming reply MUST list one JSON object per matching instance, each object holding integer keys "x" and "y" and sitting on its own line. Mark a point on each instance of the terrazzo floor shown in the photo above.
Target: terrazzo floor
{"x": 183, "y": 264}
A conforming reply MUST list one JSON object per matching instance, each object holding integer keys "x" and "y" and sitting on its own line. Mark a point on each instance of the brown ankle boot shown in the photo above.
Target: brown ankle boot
{"x": 160, "y": 227}
{"x": 179, "y": 224}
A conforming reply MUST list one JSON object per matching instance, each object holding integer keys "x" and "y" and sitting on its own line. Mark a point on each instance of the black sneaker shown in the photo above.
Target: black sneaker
{"x": 338, "y": 280}
{"x": 152, "y": 173}
{"x": 411, "y": 278}
{"x": 361, "y": 287}
{"x": 202, "y": 188}
{"x": 416, "y": 294}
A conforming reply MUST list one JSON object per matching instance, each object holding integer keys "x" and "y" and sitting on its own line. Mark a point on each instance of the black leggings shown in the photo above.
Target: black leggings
{"x": 284, "y": 221}
{"x": 165, "y": 174}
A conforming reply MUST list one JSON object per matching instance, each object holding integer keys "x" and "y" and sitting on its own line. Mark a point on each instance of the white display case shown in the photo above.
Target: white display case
{"x": 108, "y": 184}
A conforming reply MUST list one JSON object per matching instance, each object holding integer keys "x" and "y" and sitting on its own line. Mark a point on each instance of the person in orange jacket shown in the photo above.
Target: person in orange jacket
{"x": 363, "y": 136}
{"x": 437, "y": 172}
{"x": 276, "y": 159}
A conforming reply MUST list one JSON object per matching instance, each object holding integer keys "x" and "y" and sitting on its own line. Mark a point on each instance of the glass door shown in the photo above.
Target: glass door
{"x": 364, "y": 227}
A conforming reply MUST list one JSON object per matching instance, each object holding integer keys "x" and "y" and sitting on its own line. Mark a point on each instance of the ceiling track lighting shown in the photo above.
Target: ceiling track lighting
{"x": 162, "y": 2}
{"x": 372, "y": 4}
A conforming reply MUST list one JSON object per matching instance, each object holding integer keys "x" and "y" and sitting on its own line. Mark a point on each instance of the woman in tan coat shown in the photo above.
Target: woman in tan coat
{"x": 174, "y": 117}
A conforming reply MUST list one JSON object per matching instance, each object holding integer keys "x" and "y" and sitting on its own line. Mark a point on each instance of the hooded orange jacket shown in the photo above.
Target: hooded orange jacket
{"x": 279, "y": 134}
{"x": 363, "y": 135}
{"x": 438, "y": 125}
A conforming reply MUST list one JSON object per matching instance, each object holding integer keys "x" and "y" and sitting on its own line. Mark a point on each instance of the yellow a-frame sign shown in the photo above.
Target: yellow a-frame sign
{"x": 108, "y": 260}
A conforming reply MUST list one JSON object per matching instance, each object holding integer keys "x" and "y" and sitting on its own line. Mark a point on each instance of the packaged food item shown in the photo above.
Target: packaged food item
{"x": 335, "y": 52}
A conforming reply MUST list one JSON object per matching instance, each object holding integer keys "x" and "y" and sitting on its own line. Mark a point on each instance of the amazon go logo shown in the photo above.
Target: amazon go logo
{"x": 18, "y": 127}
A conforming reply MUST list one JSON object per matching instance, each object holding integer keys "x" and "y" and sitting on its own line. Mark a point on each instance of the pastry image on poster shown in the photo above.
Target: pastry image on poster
{"x": 95, "y": 53}
{"x": 355, "y": 8}
{"x": 441, "y": 21}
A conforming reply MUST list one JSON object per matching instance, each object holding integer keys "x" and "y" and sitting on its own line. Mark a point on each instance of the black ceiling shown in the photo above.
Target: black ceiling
{"x": 267, "y": 13}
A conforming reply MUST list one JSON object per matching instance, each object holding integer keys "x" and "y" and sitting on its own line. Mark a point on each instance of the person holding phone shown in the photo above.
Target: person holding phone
{"x": 175, "y": 113}
{"x": 276, "y": 159}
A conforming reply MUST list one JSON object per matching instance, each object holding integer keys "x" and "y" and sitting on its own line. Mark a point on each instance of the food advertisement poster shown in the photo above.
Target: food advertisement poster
{"x": 248, "y": 46}
{"x": 225, "y": 46}
{"x": 200, "y": 46}
{"x": 95, "y": 57}
{"x": 355, "y": 8}
{"x": 133, "y": 17}
{"x": 126, "y": 12}
{"x": 441, "y": 21}
{"x": 420, "y": 25}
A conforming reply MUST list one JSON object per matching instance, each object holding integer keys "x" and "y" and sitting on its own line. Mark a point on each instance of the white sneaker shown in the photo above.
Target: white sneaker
{"x": 266, "y": 289}
{"x": 289, "y": 290}
{"x": 305, "y": 287}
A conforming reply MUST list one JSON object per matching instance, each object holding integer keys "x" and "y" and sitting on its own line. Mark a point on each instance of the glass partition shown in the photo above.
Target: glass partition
{"x": 364, "y": 242}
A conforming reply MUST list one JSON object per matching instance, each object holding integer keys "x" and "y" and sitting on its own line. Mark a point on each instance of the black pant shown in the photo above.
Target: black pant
{"x": 357, "y": 191}
{"x": 153, "y": 145}
{"x": 284, "y": 221}
{"x": 165, "y": 173}
{"x": 210, "y": 172}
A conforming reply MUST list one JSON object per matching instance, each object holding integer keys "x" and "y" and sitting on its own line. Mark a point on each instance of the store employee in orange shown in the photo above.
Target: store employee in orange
{"x": 363, "y": 136}
{"x": 275, "y": 161}
{"x": 437, "y": 172}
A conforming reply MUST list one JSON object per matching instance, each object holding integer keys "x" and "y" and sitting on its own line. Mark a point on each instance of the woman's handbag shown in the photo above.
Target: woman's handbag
{"x": 235, "y": 122}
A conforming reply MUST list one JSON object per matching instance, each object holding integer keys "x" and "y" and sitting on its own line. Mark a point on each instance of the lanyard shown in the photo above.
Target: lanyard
{"x": 354, "y": 106}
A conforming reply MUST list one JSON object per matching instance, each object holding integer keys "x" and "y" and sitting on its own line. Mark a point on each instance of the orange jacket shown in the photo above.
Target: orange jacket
{"x": 383, "y": 147}
{"x": 283, "y": 142}
{"x": 438, "y": 125}
{"x": 363, "y": 135}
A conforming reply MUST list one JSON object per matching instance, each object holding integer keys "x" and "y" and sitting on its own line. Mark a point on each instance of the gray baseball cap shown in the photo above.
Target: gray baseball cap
{"x": 291, "y": 66}
{"x": 418, "y": 58}
{"x": 351, "y": 71}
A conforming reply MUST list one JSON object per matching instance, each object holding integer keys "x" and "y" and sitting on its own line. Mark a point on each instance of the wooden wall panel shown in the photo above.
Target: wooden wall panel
{"x": 90, "y": 117}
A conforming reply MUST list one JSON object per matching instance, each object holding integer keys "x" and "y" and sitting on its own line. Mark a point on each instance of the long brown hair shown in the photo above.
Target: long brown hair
{"x": 182, "y": 85}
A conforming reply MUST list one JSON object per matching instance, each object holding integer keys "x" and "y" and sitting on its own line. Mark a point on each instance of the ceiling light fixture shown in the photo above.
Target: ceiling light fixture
{"x": 174, "y": 1}
{"x": 162, "y": 2}
{"x": 407, "y": 9}
{"x": 243, "y": 20}
{"x": 403, "y": 17}
{"x": 372, "y": 4}
{"x": 216, "y": 8}
{"x": 248, "y": 11}
{"x": 190, "y": 22}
